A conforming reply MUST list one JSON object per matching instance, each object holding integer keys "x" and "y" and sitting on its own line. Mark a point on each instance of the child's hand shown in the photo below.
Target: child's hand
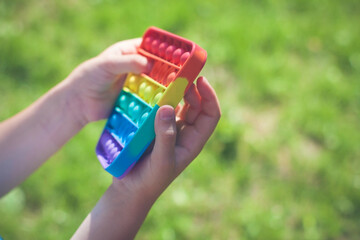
{"x": 97, "y": 82}
{"x": 123, "y": 207}
{"x": 177, "y": 143}
{"x": 87, "y": 94}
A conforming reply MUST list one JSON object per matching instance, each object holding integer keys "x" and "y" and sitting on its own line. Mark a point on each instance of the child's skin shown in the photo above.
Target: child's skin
{"x": 86, "y": 95}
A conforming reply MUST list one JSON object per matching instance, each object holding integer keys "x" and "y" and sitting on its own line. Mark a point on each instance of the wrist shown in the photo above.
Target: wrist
{"x": 121, "y": 192}
{"x": 117, "y": 215}
{"x": 57, "y": 116}
{"x": 72, "y": 102}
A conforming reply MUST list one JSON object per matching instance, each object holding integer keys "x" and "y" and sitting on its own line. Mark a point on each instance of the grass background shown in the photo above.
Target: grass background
{"x": 284, "y": 162}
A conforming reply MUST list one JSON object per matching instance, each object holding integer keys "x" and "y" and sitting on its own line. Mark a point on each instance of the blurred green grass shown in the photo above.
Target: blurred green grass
{"x": 284, "y": 160}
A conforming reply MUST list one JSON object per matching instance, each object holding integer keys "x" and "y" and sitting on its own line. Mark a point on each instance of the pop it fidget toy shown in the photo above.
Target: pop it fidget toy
{"x": 176, "y": 62}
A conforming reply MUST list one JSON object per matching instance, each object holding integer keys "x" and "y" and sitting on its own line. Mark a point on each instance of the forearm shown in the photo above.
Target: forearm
{"x": 115, "y": 216}
{"x": 33, "y": 135}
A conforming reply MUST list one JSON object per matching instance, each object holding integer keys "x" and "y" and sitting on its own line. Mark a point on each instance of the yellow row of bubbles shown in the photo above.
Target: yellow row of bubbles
{"x": 146, "y": 88}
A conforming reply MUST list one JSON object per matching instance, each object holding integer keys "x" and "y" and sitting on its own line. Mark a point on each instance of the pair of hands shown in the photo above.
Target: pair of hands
{"x": 87, "y": 95}
{"x": 180, "y": 133}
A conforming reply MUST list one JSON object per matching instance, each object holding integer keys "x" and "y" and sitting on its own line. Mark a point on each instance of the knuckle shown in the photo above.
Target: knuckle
{"x": 169, "y": 133}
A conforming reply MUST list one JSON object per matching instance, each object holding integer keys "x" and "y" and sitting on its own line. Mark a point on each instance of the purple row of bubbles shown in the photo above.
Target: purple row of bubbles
{"x": 112, "y": 151}
{"x": 169, "y": 49}
{"x": 110, "y": 147}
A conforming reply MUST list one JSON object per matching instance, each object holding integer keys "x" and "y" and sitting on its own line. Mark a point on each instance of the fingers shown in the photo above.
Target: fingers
{"x": 122, "y": 58}
{"x": 116, "y": 65}
{"x": 165, "y": 129}
{"x": 130, "y": 46}
{"x": 124, "y": 47}
{"x": 210, "y": 108}
{"x": 200, "y": 99}
{"x": 178, "y": 109}
{"x": 210, "y": 103}
{"x": 192, "y": 107}
{"x": 118, "y": 83}
{"x": 193, "y": 137}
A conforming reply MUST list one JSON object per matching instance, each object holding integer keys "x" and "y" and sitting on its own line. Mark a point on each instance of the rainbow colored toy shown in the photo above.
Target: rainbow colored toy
{"x": 130, "y": 127}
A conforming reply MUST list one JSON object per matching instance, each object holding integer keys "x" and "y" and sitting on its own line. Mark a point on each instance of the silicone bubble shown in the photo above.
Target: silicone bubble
{"x": 170, "y": 78}
{"x": 143, "y": 118}
{"x": 169, "y": 52}
{"x": 134, "y": 110}
{"x": 155, "y": 46}
{"x": 113, "y": 120}
{"x": 165, "y": 76}
{"x": 177, "y": 54}
{"x": 142, "y": 87}
{"x": 162, "y": 49}
{"x": 184, "y": 57}
{"x": 147, "y": 43}
{"x": 162, "y": 75}
{"x": 157, "y": 98}
{"x": 148, "y": 93}
{"x": 131, "y": 107}
{"x": 123, "y": 102}
{"x": 114, "y": 150}
{"x": 111, "y": 146}
{"x": 108, "y": 142}
{"x": 132, "y": 83}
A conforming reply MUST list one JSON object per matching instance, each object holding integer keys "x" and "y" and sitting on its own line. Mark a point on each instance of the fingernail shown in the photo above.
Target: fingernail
{"x": 167, "y": 114}
{"x": 203, "y": 79}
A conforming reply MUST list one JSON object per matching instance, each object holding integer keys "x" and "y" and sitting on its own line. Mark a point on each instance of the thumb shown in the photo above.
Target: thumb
{"x": 163, "y": 154}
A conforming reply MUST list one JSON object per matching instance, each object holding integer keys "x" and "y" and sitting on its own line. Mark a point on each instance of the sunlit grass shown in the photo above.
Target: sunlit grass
{"x": 284, "y": 160}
